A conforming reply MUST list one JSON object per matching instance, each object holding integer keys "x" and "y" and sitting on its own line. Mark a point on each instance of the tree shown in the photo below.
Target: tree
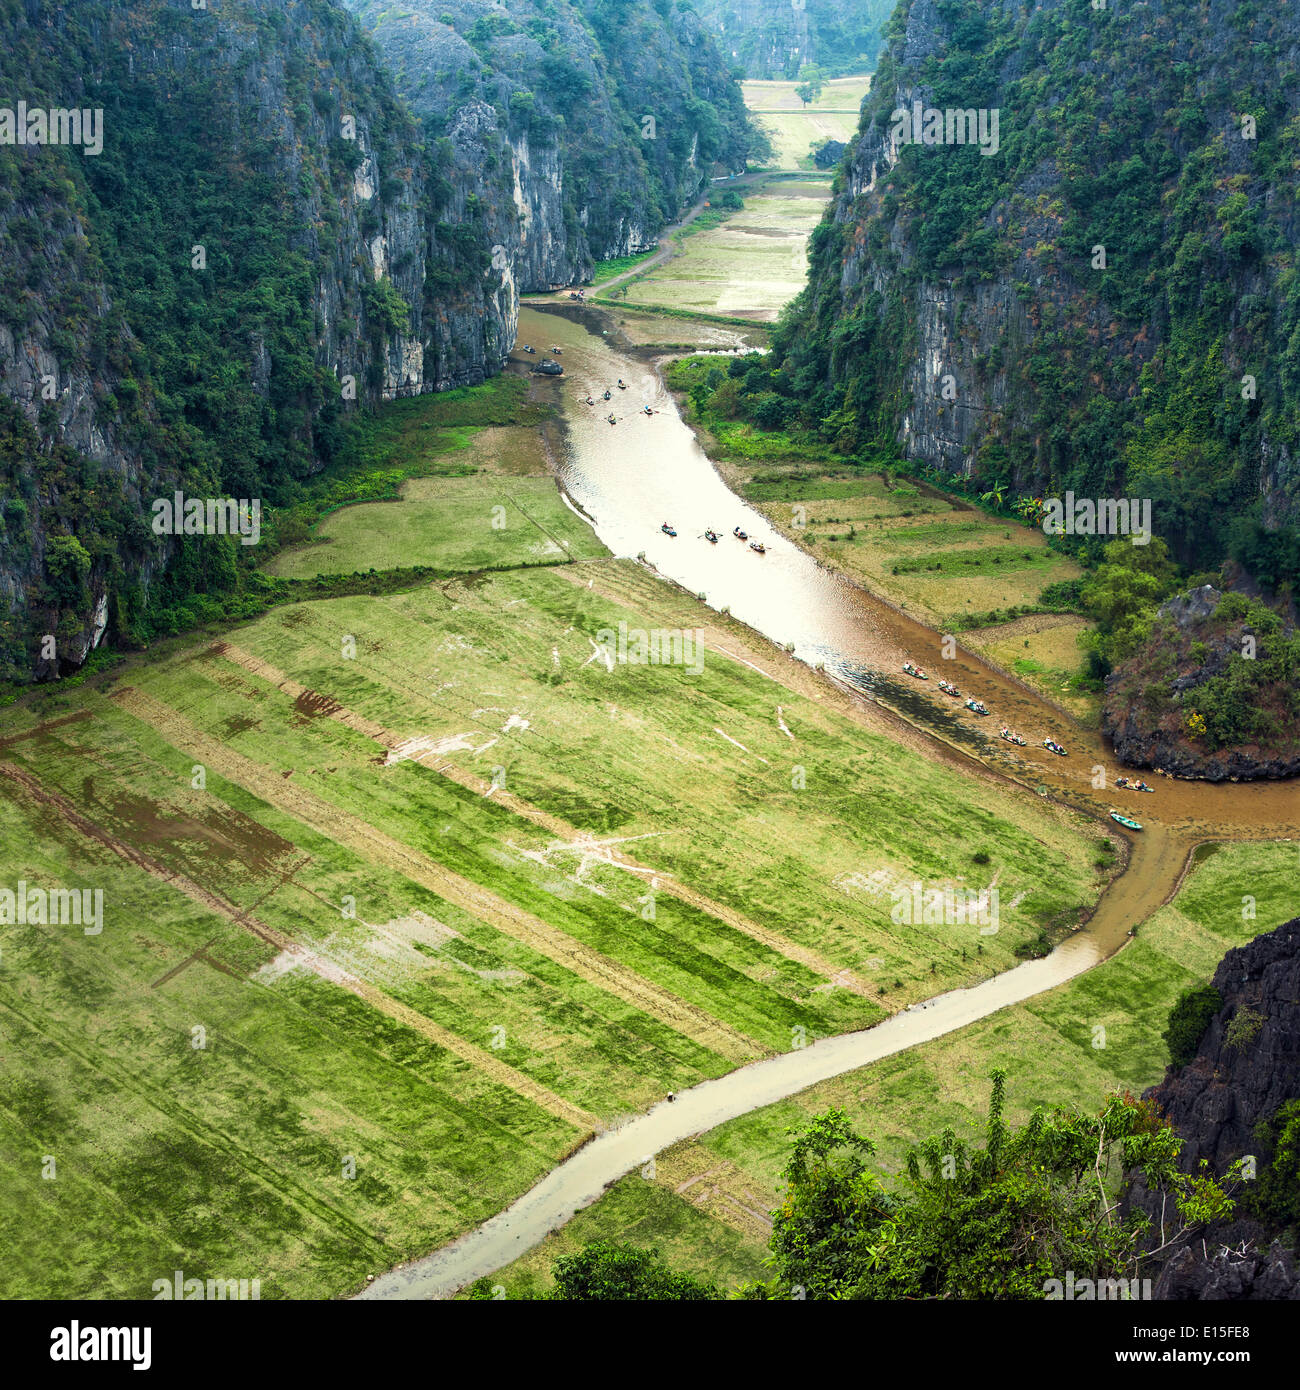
{"x": 67, "y": 564}
{"x": 998, "y": 1221}
{"x": 811, "y": 83}
{"x": 608, "y": 1271}
{"x": 1188, "y": 1020}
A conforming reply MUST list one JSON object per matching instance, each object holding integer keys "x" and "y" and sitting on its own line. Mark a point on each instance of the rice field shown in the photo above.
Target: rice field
{"x": 842, "y": 94}
{"x": 404, "y": 896}
{"x": 750, "y": 266}
{"x": 795, "y": 129}
{"x": 459, "y": 524}
{"x": 941, "y": 560}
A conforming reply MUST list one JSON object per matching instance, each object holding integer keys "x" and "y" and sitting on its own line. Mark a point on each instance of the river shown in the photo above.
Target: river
{"x": 629, "y": 478}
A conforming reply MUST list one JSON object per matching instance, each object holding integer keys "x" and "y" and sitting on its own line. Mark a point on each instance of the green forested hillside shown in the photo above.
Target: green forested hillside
{"x": 269, "y": 241}
{"x": 1113, "y": 293}
{"x": 776, "y": 38}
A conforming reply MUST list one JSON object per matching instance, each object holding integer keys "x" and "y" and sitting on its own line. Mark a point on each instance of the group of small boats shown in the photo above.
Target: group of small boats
{"x": 712, "y": 537}
{"x": 979, "y": 707}
{"x": 609, "y": 395}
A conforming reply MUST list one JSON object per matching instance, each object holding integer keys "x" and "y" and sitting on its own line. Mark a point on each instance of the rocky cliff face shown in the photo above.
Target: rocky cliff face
{"x": 267, "y": 239}
{"x": 775, "y": 38}
{"x": 1246, "y": 1068}
{"x": 1098, "y": 296}
{"x": 1211, "y": 694}
{"x": 583, "y": 125}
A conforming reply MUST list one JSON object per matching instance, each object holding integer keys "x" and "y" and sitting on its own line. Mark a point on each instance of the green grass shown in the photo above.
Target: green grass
{"x": 644, "y": 1213}
{"x": 452, "y": 525}
{"x": 618, "y": 265}
{"x": 417, "y": 437}
{"x": 752, "y": 259}
{"x": 987, "y": 559}
{"x": 228, "y": 1161}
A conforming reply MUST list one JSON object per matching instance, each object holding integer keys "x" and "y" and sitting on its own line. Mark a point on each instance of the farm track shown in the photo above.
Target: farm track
{"x": 339, "y": 825}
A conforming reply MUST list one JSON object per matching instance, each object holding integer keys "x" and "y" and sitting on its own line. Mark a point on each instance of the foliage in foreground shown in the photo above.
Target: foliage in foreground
{"x": 610, "y": 1271}
{"x": 1000, "y": 1221}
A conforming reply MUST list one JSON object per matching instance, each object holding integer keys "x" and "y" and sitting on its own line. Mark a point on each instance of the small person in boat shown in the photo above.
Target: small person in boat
{"x": 611, "y": 419}
{"x": 607, "y": 393}
{"x": 759, "y": 546}
{"x": 559, "y": 352}
{"x": 590, "y": 401}
{"x": 645, "y": 410}
{"x": 1122, "y": 782}
{"x": 667, "y": 530}
{"x": 1142, "y": 787}
{"x": 711, "y": 537}
{"x": 622, "y": 385}
{"x": 529, "y": 349}
{"x": 976, "y": 706}
{"x": 736, "y": 531}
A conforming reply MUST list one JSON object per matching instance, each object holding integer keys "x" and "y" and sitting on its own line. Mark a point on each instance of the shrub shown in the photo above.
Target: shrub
{"x": 1244, "y": 1028}
{"x": 1276, "y": 1198}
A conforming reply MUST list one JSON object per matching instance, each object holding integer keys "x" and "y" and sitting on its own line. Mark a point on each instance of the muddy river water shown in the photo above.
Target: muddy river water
{"x": 644, "y": 470}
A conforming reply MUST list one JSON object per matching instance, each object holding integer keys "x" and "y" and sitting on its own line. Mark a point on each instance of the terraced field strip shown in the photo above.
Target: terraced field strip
{"x": 485, "y": 1062}
{"x": 345, "y": 829}
{"x": 395, "y": 743}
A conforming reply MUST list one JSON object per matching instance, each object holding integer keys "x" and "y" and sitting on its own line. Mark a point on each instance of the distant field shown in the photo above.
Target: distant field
{"x": 839, "y": 94}
{"x": 793, "y": 134}
{"x": 754, "y": 263}
{"x": 703, "y": 1201}
{"x": 794, "y": 128}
